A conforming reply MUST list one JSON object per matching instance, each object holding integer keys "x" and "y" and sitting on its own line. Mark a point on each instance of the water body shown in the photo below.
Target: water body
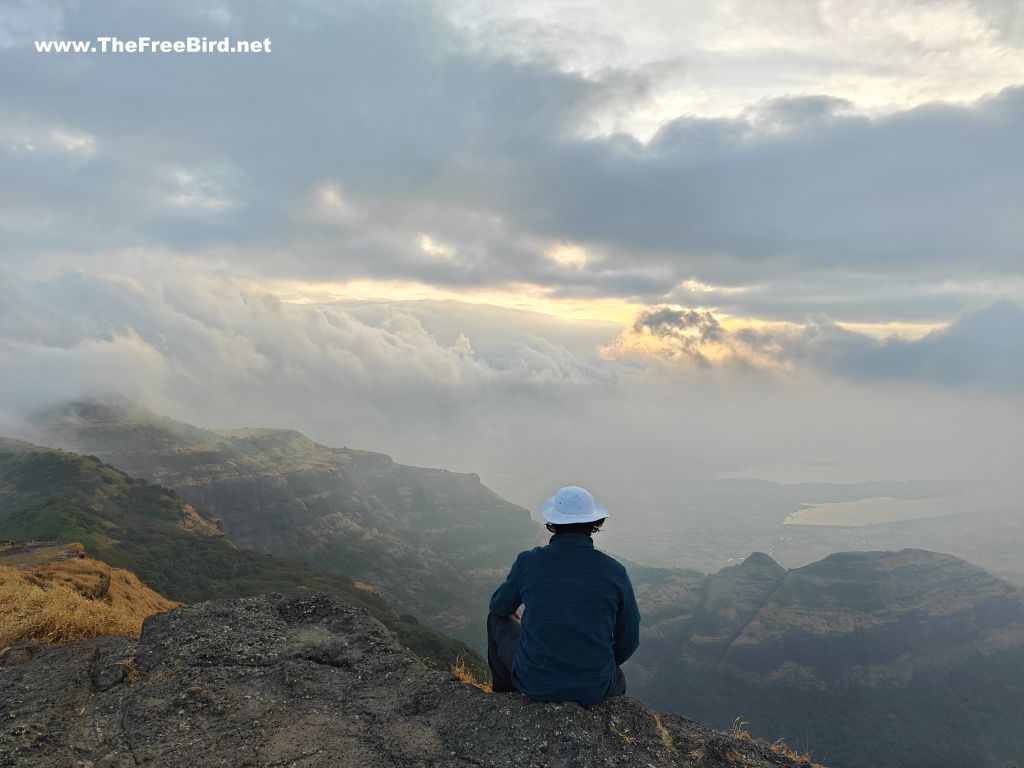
{"x": 886, "y": 509}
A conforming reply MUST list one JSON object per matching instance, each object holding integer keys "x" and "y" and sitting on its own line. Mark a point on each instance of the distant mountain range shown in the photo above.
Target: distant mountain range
{"x": 906, "y": 658}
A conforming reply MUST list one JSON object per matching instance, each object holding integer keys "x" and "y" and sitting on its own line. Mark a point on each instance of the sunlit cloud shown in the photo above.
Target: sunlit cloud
{"x": 897, "y": 330}
{"x": 438, "y": 250}
{"x": 567, "y": 255}
{"x": 699, "y": 337}
{"x": 513, "y": 296}
{"x": 985, "y": 347}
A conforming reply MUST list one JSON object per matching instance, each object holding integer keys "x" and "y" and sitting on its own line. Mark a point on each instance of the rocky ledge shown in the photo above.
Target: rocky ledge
{"x": 275, "y": 681}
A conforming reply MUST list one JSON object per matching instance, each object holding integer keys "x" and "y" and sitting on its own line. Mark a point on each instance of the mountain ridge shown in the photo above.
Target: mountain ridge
{"x": 147, "y": 529}
{"x": 405, "y": 530}
{"x": 858, "y": 643}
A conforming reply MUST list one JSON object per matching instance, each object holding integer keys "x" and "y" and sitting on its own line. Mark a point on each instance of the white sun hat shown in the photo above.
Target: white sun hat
{"x": 572, "y": 504}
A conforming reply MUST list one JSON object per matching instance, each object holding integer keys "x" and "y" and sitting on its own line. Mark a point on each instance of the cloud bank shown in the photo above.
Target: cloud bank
{"x": 410, "y": 380}
{"x": 982, "y": 349}
{"x": 378, "y": 142}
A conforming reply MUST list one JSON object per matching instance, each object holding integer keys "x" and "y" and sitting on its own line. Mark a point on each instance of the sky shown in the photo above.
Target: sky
{"x": 551, "y": 242}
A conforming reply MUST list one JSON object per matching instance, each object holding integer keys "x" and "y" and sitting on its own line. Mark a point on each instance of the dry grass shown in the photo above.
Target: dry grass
{"x": 780, "y": 747}
{"x": 464, "y": 675}
{"x": 73, "y": 600}
{"x": 133, "y": 670}
{"x": 666, "y": 737}
{"x": 740, "y": 730}
{"x": 626, "y": 737}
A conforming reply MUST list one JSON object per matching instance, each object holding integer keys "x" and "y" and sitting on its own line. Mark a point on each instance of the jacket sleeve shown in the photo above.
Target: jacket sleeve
{"x": 508, "y": 597}
{"x": 627, "y": 624}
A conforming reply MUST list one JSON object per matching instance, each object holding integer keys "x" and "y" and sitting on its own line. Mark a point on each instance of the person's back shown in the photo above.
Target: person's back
{"x": 581, "y": 620}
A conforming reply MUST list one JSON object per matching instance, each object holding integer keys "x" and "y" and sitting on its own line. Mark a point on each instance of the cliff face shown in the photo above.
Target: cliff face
{"x": 274, "y": 681}
{"x": 871, "y": 617}
{"x": 922, "y": 651}
{"x": 854, "y": 618}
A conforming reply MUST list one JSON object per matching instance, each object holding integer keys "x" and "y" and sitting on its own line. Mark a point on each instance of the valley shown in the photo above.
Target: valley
{"x": 858, "y": 641}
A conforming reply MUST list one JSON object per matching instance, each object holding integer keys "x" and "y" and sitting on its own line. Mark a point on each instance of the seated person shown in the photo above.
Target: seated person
{"x": 581, "y": 620}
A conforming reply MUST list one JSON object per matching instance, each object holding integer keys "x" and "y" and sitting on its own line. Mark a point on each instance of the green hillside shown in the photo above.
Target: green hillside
{"x": 434, "y": 542}
{"x": 169, "y": 544}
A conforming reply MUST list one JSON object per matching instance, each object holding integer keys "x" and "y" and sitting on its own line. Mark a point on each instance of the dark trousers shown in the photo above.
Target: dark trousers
{"x": 503, "y": 640}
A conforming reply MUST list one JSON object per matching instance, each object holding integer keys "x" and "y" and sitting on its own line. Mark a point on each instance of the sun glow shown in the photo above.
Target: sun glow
{"x": 515, "y": 296}
{"x": 568, "y": 255}
{"x": 902, "y": 330}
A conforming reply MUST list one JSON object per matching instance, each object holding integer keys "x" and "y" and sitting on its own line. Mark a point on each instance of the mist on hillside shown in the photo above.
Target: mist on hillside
{"x": 703, "y": 451}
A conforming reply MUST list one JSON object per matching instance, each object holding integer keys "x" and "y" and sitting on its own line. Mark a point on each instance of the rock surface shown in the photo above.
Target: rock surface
{"x": 276, "y": 681}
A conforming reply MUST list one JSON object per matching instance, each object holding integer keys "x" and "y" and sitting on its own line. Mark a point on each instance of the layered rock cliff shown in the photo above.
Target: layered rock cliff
{"x": 853, "y": 618}
{"x": 911, "y": 658}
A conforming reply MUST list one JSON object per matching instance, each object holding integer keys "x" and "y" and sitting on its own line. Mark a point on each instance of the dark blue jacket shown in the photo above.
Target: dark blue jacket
{"x": 581, "y": 619}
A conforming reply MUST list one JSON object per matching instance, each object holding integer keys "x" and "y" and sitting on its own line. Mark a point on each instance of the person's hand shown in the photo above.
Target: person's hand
{"x": 516, "y": 616}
